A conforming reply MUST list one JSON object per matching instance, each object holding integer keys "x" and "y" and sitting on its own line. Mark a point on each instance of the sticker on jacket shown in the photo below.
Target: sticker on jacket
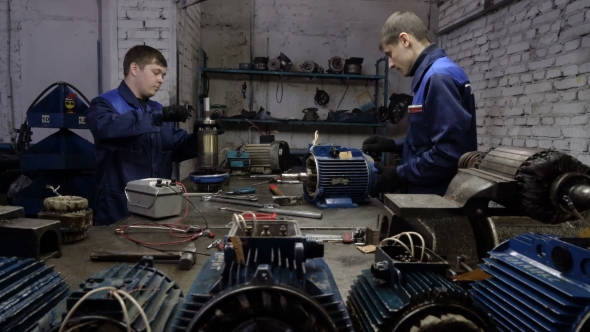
{"x": 413, "y": 109}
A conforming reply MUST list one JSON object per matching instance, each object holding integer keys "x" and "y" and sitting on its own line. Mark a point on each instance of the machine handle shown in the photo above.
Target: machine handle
{"x": 275, "y": 190}
{"x": 139, "y": 205}
{"x": 106, "y": 256}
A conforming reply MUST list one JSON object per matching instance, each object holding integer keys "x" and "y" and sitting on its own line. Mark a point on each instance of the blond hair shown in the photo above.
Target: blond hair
{"x": 403, "y": 21}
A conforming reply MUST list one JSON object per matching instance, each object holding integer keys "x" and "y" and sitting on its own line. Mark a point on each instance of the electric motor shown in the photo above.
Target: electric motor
{"x": 538, "y": 283}
{"x": 336, "y": 176}
{"x": 404, "y": 293}
{"x": 268, "y": 158}
{"x": 269, "y": 277}
{"x": 549, "y": 181}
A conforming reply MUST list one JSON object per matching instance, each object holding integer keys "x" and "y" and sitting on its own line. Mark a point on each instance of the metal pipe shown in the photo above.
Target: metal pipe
{"x": 580, "y": 196}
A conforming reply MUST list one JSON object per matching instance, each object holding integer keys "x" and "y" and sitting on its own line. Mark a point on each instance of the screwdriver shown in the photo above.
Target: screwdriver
{"x": 241, "y": 191}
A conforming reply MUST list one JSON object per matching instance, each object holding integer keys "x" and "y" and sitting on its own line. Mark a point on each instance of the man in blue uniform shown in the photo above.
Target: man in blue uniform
{"x": 442, "y": 114}
{"x": 135, "y": 137}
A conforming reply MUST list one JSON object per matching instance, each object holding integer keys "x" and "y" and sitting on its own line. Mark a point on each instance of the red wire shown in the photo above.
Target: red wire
{"x": 186, "y": 238}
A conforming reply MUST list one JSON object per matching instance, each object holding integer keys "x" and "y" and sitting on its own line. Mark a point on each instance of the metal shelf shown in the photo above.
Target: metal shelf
{"x": 294, "y": 74}
{"x": 300, "y": 122}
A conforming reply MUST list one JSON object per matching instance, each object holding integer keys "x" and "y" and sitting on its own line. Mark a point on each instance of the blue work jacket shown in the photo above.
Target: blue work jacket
{"x": 131, "y": 142}
{"x": 441, "y": 130}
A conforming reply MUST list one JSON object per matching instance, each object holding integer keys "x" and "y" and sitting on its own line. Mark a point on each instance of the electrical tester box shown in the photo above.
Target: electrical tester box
{"x": 154, "y": 198}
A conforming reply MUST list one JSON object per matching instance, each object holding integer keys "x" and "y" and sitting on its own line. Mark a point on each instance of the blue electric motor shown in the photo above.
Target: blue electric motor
{"x": 29, "y": 290}
{"x": 336, "y": 177}
{"x": 402, "y": 293}
{"x": 538, "y": 283}
{"x": 269, "y": 277}
{"x": 157, "y": 294}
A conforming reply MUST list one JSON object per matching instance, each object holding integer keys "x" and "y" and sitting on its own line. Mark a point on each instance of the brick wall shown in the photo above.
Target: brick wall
{"x": 148, "y": 22}
{"x": 5, "y": 116}
{"x": 529, "y": 64}
{"x": 189, "y": 41}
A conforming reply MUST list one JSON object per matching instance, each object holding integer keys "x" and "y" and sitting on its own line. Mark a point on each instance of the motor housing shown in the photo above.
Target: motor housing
{"x": 269, "y": 277}
{"x": 538, "y": 283}
{"x": 402, "y": 293}
{"x": 336, "y": 177}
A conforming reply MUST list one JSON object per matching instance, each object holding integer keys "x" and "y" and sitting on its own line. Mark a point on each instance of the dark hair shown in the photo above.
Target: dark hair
{"x": 402, "y": 21}
{"x": 142, "y": 55}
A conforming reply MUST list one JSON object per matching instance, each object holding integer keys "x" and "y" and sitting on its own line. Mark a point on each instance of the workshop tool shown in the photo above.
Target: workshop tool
{"x": 154, "y": 198}
{"x": 241, "y": 191}
{"x": 26, "y": 237}
{"x": 216, "y": 244}
{"x": 268, "y": 208}
{"x": 255, "y": 270}
{"x": 287, "y": 200}
{"x": 268, "y": 158}
{"x": 336, "y": 177}
{"x": 345, "y": 237}
{"x": 252, "y": 198}
{"x": 275, "y": 190}
{"x": 186, "y": 257}
{"x": 248, "y": 214}
{"x": 202, "y": 194}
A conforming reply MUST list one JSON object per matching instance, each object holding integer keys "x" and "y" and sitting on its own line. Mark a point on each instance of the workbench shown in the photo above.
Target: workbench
{"x": 345, "y": 260}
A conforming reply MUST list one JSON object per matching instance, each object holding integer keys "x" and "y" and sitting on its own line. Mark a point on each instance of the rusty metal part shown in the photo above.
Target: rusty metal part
{"x": 469, "y": 159}
{"x": 311, "y": 67}
{"x": 74, "y": 225}
{"x": 287, "y": 200}
{"x": 336, "y": 65}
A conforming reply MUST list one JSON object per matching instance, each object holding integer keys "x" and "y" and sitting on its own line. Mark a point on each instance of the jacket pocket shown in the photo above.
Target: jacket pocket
{"x": 418, "y": 131}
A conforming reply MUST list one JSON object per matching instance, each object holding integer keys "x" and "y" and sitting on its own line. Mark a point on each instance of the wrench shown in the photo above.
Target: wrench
{"x": 243, "y": 198}
{"x": 239, "y": 202}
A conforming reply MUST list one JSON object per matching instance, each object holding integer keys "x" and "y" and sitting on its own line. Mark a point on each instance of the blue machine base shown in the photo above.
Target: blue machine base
{"x": 332, "y": 203}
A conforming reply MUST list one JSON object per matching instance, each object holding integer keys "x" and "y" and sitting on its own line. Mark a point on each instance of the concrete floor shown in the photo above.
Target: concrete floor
{"x": 344, "y": 260}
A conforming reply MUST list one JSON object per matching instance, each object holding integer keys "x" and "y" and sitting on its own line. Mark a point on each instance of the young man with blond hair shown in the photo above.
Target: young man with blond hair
{"x": 442, "y": 114}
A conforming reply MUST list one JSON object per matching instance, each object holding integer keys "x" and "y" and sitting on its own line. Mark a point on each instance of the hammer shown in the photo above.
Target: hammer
{"x": 186, "y": 257}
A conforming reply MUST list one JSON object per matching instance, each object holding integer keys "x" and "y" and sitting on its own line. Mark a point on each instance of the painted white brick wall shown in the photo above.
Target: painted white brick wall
{"x": 530, "y": 75}
{"x": 5, "y": 117}
{"x": 189, "y": 41}
{"x": 148, "y": 22}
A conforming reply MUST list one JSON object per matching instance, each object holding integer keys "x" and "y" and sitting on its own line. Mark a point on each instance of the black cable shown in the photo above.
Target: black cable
{"x": 98, "y": 318}
{"x": 341, "y": 99}
{"x": 277, "y": 92}
{"x": 181, "y": 195}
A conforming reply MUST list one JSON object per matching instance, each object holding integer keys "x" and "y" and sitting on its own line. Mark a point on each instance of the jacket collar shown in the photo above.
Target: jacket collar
{"x": 128, "y": 95}
{"x": 423, "y": 62}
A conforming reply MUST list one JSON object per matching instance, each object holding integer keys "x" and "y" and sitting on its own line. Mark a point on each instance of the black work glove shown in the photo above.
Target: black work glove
{"x": 379, "y": 144}
{"x": 387, "y": 182}
{"x": 175, "y": 113}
